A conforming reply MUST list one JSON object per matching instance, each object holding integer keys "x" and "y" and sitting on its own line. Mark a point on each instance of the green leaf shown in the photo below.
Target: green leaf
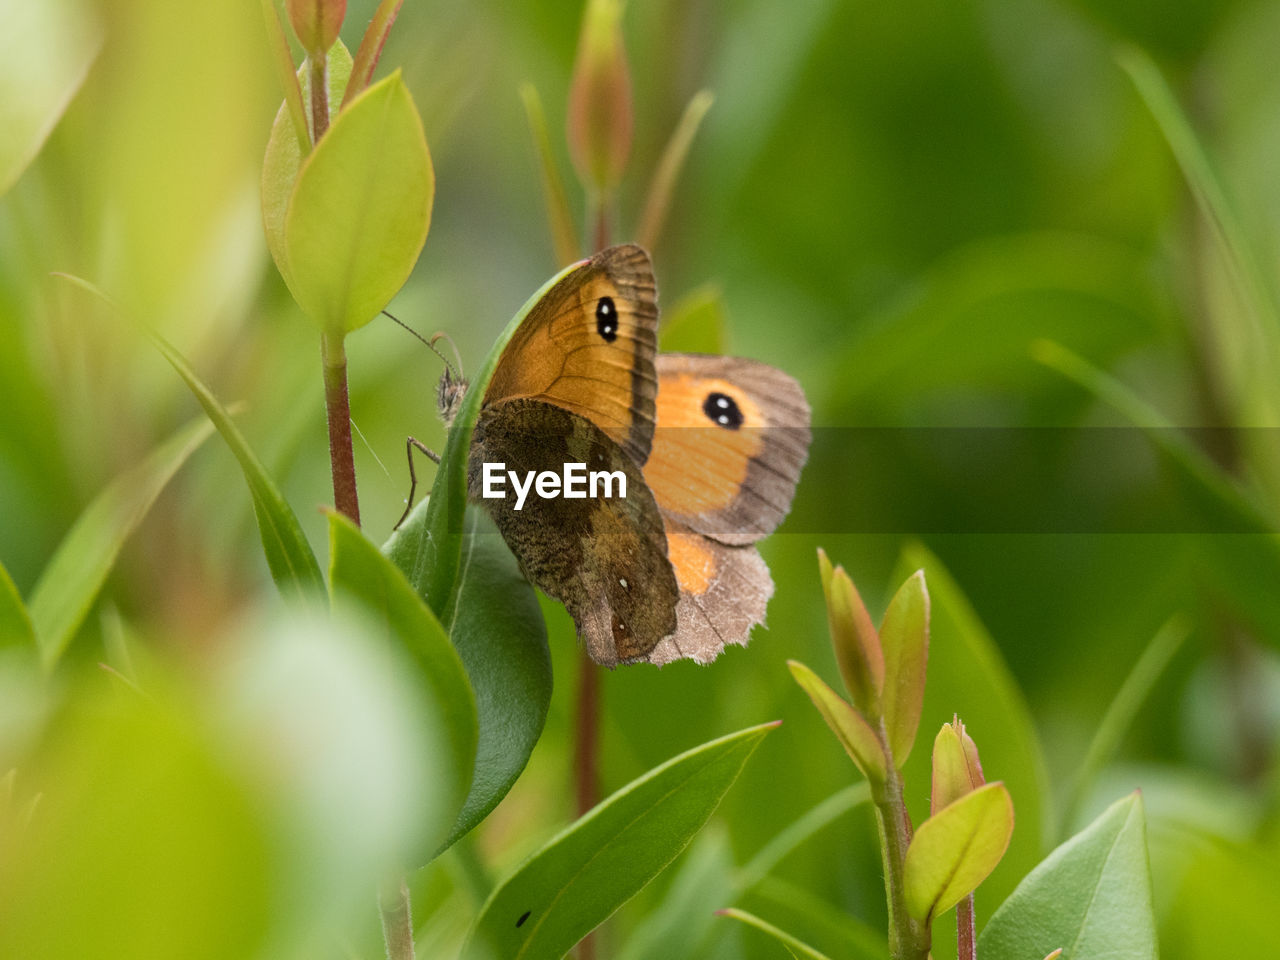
{"x": 854, "y": 638}
{"x": 956, "y": 849}
{"x": 800, "y": 830}
{"x": 904, "y": 639}
{"x": 795, "y": 947}
{"x": 684, "y": 923}
{"x": 46, "y": 50}
{"x": 66, "y": 589}
{"x": 1207, "y": 188}
{"x": 430, "y": 553}
{"x": 143, "y": 810}
{"x": 359, "y": 573}
{"x": 1225, "y": 901}
{"x": 696, "y": 323}
{"x": 283, "y": 159}
{"x": 1124, "y": 707}
{"x": 1091, "y": 897}
{"x": 854, "y": 733}
{"x": 501, "y": 637}
{"x": 579, "y": 878}
{"x": 666, "y": 175}
{"x": 1240, "y": 552}
{"x": 15, "y": 622}
{"x": 968, "y": 676}
{"x": 360, "y": 209}
{"x": 293, "y": 566}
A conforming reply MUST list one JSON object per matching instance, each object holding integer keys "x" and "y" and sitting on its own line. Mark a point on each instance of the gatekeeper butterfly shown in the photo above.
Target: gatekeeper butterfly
{"x": 710, "y": 447}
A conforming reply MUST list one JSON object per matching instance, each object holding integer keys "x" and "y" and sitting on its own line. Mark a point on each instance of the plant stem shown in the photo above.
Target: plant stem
{"x": 338, "y": 408}
{"x": 585, "y": 754}
{"x": 966, "y": 940}
{"x": 908, "y": 940}
{"x": 319, "y": 96}
{"x": 397, "y": 920}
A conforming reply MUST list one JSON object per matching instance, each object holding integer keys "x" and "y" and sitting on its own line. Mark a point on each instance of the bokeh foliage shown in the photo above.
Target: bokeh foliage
{"x": 896, "y": 203}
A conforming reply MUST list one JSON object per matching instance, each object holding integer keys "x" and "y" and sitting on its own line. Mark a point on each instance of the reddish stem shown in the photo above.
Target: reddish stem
{"x": 585, "y": 754}
{"x": 338, "y": 408}
{"x": 966, "y": 930}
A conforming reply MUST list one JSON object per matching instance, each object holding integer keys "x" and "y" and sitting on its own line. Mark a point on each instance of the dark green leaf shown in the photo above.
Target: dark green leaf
{"x": 74, "y": 575}
{"x": 1091, "y": 897}
{"x": 684, "y": 923}
{"x": 500, "y": 634}
{"x": 358, "y": 572}
{"x": 583, "y": 875}
{"x": 430, "y": 552}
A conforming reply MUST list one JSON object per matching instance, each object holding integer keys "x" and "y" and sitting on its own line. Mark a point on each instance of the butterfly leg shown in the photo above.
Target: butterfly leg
{"x": 409, "y": 444}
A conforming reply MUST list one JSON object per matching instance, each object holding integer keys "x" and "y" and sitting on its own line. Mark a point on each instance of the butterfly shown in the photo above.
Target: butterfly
{"x": 710, "y": 449}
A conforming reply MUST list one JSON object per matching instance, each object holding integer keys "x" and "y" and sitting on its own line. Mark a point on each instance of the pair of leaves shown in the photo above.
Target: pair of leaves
{"x": 884, "y": 670}
{"x": 346, "y": 222}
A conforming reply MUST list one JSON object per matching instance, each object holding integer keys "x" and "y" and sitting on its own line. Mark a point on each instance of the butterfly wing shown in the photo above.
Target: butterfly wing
{"x": 604, "y": 557}
{"x": 732, "y": 436}
{"x": 588, "y": 347}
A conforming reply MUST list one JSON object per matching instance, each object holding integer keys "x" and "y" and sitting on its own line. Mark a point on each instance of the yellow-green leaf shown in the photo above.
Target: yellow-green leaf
{"x": 955, "y": 850}
{"x": 853, "y": 732}
{"x": 359, "y": 214}
{"x": 904, "y": 641}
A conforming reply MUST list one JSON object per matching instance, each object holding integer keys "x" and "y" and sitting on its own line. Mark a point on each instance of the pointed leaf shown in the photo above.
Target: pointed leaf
{"x": 854, "y": 637}
{"x": 1091, "y": 897}
{"x": 904, "y": 639}
{"x": 358, "y": 572}
{"x": 853, "y": 732}
{"x": 956, "y": 849}
{"x": 293, "y": 566}
{"x": 66, "y": 589}
{"x": 583, "y": 875}
{"x": 684, "y": 924}
{"x": 360, "y": 210}
{"x": 662, "y": 187}
{"x": 501, "y": 636}
{"x": 795, "y": 947}
{"x": 955, "y": 768}
{"x": 285, "y": 152}
{"x": 46, "y": 50}
{"x": 430, "y": 552}
{"x": 696, "y": 324}
{"x": 371, "y": 44}
{"x": 15, "y": 622}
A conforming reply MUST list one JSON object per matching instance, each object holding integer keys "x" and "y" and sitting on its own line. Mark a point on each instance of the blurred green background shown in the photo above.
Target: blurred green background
{"x": 896, "y": 202}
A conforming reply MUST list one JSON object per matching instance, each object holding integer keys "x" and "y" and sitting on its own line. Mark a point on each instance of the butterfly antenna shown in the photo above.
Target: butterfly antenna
{"x": 453, "y": 346}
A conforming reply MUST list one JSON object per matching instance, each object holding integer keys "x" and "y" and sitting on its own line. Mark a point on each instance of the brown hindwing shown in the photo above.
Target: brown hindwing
{"x": 605, "y": 559}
